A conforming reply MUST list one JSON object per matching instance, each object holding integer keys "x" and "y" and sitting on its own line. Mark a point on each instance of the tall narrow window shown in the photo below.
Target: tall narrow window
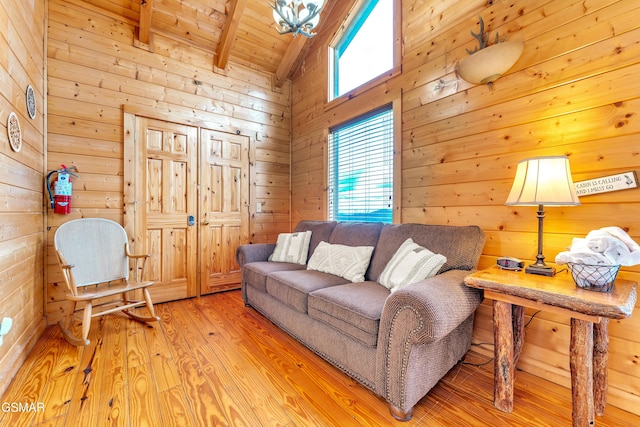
{"x": 361, "y": 168}
{"x": 365, "y": 50}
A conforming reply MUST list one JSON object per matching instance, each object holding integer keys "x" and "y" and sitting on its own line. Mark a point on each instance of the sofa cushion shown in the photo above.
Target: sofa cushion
{"x": 320, "y": 232}
{"x": 293, "y": 287}
{"x": 461, "y": 245}
{"x": 353, "y": 308}
{"x": 255, "y": 274}
{"x": 350, "y": 262}
{"x": 357, "y": 234}
{"x": 411, "y": 263}
{"x": 292, "y": 247}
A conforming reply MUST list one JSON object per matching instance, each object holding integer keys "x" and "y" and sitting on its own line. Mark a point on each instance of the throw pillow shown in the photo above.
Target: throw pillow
{"x": 292, "y": 247}
{"x": 350, "y": 262}
{"x": 411, "y": 263}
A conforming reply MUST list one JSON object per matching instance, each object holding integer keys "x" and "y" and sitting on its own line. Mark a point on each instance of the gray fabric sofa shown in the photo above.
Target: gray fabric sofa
{"x": 397, "y": 344}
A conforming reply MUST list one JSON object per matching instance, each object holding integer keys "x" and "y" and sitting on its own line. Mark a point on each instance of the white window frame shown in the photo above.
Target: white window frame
{"x": 344, "y": 31}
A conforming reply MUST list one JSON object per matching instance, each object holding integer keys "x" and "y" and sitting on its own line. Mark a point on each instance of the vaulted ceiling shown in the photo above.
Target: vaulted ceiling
{"x": 241, "y": 31}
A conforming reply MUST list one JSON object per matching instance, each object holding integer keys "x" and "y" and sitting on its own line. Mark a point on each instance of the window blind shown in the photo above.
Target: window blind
{"x": 361, "y": 168}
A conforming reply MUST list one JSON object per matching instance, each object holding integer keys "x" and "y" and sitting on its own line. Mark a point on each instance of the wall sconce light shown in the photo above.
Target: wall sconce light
{"x": 489, "y": 62}
{"x": 543, "y": 181}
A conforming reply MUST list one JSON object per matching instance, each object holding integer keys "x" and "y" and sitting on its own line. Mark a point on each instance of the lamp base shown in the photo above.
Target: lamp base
{"x": 543, "y": 270}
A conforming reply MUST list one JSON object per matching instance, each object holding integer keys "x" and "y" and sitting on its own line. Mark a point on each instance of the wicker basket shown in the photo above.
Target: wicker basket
{"x": 594, "y": 277}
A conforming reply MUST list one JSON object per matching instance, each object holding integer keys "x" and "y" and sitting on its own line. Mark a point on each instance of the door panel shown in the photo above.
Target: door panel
{"x": 224, "y": 207}
{"x": 175, "y": 171}
{"x": 166, "y": 189}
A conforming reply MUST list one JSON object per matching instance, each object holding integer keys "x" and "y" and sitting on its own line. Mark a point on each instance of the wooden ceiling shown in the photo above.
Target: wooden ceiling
{"x": 241, "y": 31}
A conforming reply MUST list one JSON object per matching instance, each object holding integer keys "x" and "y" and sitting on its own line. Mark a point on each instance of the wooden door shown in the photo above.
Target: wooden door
{"x": 224, "y": 207}
{"x": 165, "y": 197}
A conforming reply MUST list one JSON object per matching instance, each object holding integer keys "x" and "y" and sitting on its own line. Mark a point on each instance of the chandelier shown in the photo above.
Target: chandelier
{"x": 297, "y": 16}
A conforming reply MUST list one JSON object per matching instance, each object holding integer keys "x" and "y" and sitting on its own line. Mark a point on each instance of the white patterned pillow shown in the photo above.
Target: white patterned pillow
{"x": 292, "y": 247}
{"x": 411, "y": 263}
{"x": 350, "y": 262}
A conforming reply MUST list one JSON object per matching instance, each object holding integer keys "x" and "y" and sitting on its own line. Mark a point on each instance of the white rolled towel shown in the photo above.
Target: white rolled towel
{"x": 606, "y": 246}
{"x": 617, "y": 251}
{"x": 599, "y": 241}
{"x": 616, "y": 244}
{"x": 587, "y": 257}
{"x": 622, "y": 235}
{"x": 632, "y": 258}
{"x": 579, "y": 244}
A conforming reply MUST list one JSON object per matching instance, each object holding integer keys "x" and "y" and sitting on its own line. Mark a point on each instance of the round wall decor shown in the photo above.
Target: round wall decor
{"x": 14, "y": 132}
{"x": 31, "y": 102}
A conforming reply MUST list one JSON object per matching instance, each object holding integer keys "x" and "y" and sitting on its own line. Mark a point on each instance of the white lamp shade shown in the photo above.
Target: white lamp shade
{"x": 488, "y": 64}
{"x": 543, "y": 181}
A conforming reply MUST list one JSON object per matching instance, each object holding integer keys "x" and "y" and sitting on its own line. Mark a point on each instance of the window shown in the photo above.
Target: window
{"x": 361, "y": 168}
{"x": 365, "y": 50}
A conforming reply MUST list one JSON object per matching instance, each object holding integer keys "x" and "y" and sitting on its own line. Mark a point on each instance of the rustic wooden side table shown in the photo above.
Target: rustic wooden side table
{"x": 589, "y": 311}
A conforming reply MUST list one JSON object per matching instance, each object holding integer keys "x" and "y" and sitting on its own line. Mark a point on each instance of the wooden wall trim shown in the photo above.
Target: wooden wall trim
{"x": 397, "y": 160}
{"x": 45, "y": 136}
{"x": 186, "y": 117}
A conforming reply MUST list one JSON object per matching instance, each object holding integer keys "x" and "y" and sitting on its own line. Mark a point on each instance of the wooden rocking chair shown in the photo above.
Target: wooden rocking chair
{"x": 94, "y": 256}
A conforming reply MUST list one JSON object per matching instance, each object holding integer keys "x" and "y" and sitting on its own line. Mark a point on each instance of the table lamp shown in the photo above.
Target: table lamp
{"x": 542, "y": 181}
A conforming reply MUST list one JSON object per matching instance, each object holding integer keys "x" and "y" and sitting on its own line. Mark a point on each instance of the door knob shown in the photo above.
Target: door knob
{"x": 205, "y": 222}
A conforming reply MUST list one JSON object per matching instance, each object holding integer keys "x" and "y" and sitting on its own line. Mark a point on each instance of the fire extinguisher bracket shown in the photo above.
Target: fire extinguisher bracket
{"x": 60, "y": 196}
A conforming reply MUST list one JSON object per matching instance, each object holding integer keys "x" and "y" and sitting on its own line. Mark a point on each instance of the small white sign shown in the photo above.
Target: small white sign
{"x": 622, "y": 181}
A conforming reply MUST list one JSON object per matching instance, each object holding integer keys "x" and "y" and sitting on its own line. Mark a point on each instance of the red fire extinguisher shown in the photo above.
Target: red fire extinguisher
{"x": 62, "y": 188}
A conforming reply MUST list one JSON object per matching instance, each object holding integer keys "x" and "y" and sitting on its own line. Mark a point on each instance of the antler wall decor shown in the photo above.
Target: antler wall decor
{"x": 487, "y": 62}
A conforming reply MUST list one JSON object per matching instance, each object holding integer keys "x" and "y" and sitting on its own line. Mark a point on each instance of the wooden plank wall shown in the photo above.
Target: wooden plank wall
{"x": 22, "y": 63}
{"x": 94, "y": 69}
{"x": 574, "y": 91}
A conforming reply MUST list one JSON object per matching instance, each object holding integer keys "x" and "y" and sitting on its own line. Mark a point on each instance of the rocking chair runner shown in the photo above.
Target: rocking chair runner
{"x": 94, "y": 256}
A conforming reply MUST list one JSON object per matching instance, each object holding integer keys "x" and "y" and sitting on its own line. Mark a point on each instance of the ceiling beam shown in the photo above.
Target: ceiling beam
{"x": 289, "y": 59}
{"x": 231, "y": 25}
{"x": 144, "y": 32}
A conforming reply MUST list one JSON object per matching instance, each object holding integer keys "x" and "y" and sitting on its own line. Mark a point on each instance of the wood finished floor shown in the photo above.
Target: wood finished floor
{"x": 214, "y": 362}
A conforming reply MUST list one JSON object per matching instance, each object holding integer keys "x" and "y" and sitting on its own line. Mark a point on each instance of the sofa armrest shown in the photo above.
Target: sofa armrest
{"x": 416, "y": 342}
{"x": 429, "y": 310}
{"x": 254, "y": 252}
